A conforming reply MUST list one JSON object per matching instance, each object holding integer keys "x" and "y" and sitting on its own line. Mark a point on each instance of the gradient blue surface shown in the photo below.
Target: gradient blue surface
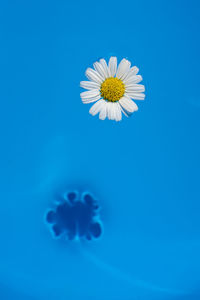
{"x": 144, "y": 171}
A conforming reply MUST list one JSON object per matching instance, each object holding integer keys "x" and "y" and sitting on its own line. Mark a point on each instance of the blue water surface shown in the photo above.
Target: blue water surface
{"x": 144, "y": 171}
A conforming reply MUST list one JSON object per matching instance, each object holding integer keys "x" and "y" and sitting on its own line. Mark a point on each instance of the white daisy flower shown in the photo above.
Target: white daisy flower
{"x": 112, "y": 87}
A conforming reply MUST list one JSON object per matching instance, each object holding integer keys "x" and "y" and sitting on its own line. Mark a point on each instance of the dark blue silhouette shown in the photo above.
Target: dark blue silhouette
{"x": 75, "y": 216}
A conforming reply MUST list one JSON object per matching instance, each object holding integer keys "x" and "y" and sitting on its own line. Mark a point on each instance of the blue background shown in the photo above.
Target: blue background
{"x": 144, "y": 170}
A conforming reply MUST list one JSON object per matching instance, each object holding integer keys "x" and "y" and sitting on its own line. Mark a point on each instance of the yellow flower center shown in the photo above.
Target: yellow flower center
{"x": 112, "y": 89}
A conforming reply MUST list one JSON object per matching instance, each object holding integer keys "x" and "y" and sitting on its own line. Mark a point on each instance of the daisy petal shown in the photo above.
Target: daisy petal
{"x": 113, "y": 65}
{"x": 90, "y": 96}
{"x": 89, "y": 85}
{"x": 128, "y": 105}
{"x": 133, "y": 79}
{"x": 106, "y": 69}
{"x": 123, "y": 68}
{"x": 124, "y": 112}
{"x": 118, "y": 112}
{"x": 109, "y": 110}
{"x": 93, "y": 75}
{"x": 96, "y": 108}
{"x": 135, "y": 88}
{"x": 103, "y": 112}
{"x": 112, "y": 111}
{"x": 136, "y": 96}
{"x": 132, "y": 71}
{"x": 90, "y": 100}
{"x": 100, "y": 69}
